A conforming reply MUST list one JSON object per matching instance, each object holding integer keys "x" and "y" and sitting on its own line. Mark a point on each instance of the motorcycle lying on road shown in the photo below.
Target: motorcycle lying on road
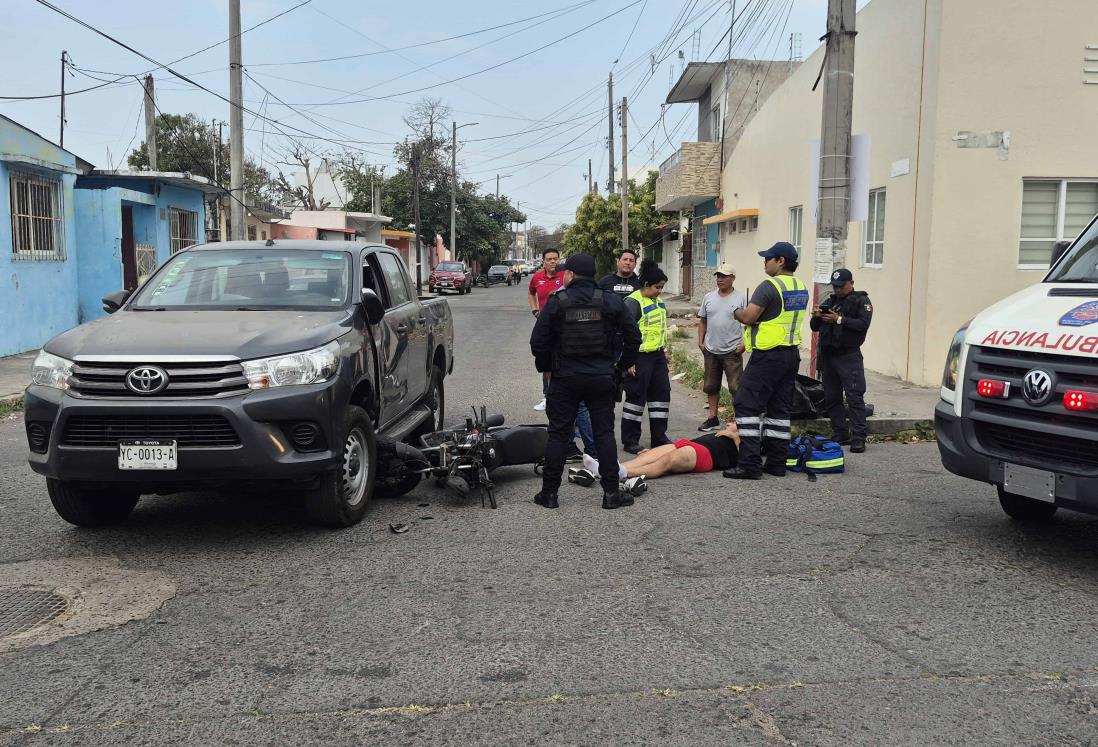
{"x": 460, "y": 459}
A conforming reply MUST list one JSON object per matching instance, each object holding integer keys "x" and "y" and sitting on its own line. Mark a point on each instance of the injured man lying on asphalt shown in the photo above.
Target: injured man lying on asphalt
{"x": 713, "y": 451}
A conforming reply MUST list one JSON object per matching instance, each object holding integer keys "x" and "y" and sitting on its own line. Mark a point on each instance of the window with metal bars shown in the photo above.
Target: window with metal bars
{"x": 37, "y": 217}
{"x": 184, "y": 229}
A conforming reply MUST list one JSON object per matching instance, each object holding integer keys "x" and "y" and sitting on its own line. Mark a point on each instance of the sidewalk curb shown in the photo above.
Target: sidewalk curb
{"x": 11, "y": 402}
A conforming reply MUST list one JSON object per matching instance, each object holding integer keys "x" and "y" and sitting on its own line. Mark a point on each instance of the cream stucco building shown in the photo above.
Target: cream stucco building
{"x": 981, "y": 117}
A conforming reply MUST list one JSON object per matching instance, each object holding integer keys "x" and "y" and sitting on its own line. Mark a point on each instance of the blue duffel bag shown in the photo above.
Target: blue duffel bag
{"x": 814, "y": 454}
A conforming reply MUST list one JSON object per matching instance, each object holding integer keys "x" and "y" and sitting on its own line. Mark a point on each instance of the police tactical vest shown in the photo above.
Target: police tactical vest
{"x": 583, "y": 330}
{"x": 784, "y": 330}
{"x": 653, "y": 322}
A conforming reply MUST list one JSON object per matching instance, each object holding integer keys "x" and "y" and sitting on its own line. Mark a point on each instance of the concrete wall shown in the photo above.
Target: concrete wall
{"x": 1022, "y": 73}
{"x": 99, "y": 202}
{"x": 953, "y": 215}
{"x": 37, "y": 298}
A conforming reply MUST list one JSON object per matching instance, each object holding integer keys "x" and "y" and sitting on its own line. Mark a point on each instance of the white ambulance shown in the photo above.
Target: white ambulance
{"x": 1019, "y": 404}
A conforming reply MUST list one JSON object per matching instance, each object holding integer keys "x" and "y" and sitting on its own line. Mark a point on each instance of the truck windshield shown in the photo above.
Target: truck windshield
{"x": 252, "y": 279}
{"x": 1081, "y": 263}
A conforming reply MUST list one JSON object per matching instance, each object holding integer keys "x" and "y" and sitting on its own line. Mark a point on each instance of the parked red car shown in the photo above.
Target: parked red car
{"x": 448, "y": 276}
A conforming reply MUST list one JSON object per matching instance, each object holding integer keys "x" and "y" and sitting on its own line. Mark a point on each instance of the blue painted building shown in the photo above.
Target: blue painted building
{"x": 38, "y": 257}
{"x": 129, "y": 223}
{"x": 70, "y": 235}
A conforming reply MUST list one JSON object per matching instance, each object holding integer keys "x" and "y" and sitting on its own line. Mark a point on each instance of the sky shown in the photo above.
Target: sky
{"x": 531, "y": 76}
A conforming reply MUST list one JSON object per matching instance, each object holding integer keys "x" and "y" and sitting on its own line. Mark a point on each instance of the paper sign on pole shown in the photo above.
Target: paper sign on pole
{"x": 821, "y": 272}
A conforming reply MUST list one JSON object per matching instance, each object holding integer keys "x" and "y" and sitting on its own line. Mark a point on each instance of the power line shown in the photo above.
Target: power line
{"x": 487, "y": 69}
{"x": 126, "y": 76}
{"x": 421, "y": 44}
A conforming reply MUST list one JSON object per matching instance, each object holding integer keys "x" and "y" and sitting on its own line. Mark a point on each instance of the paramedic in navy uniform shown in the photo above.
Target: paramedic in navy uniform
{"x": 772, "y": 334}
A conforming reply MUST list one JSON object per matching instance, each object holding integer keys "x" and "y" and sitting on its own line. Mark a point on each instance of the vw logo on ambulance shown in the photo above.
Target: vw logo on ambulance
{"x": 1037, "y": 388}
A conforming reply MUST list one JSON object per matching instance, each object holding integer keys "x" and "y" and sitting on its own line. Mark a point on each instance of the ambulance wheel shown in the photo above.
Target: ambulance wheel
{"x": 1024, "y": 509}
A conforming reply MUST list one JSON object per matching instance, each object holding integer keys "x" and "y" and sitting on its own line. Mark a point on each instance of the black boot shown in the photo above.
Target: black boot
{"x": 738, "y": 473}
{"x": 857, "y": 446}
{"x": 546, "y": 500}
{"x": 632, "y": 448}
{"x": 777, "y": 470}
{"x": 614, "y": 500}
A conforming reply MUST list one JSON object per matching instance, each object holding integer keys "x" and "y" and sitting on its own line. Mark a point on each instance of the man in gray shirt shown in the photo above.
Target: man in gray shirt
{"x": 720, "y": 338}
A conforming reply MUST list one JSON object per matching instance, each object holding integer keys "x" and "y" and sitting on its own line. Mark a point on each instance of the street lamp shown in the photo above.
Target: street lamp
{"x": 453, "y": 186}
{"x": 498, "y": 177}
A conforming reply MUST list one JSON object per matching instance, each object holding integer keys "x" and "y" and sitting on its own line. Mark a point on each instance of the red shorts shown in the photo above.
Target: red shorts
{"x": 705, "y": 459}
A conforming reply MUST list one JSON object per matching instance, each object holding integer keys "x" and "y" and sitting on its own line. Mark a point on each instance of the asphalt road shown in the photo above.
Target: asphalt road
{"x": 894, "y": 604}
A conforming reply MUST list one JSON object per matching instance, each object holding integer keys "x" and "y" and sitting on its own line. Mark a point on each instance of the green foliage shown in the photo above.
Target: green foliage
{"x": 186, "y": 143}
{"x": 597, "y": 228}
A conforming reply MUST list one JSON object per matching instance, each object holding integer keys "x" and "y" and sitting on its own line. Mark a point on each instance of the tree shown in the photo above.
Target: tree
{"x": 597, "y": 230}
{"x": 186, "y": 143}
{"x": 304, "y": 195}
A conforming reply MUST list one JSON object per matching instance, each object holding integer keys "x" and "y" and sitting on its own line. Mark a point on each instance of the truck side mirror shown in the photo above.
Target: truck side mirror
{"x": 113, "y": 302}
{"x": 1058, "y": 250}
{"x": 371, "y": 304}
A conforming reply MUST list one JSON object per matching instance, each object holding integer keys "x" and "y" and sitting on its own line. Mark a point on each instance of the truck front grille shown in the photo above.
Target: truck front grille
{"x": 186, "y": 430}
{"x": 185, "y": 379}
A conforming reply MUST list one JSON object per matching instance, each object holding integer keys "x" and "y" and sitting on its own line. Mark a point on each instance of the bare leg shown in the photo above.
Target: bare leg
{"x": 674, "y": 462}
{"x": 650, "y": 456}
{"x": 714, "y": 401}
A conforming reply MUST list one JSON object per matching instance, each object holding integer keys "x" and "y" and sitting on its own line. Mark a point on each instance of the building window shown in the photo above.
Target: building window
{"x": 873, "y": 255}
{"x": 754, "y": 223}
{"x": 37, "y": 217}
{"x": 1053, "y": 210}
{"x": 251, "y": 233}
{"x": 796, "y": 218}
{"x": 184, "y": 229}
{"x": 264, "y": 235}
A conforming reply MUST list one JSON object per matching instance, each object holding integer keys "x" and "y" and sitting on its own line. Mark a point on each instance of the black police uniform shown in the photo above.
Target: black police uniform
{"x": 840, "y": 362}
{"x": 573, "y": 338}
{"x": 617, "y": 284}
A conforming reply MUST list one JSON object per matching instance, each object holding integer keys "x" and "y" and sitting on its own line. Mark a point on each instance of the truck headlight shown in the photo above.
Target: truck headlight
{"x": 953, "y": 359}
{"x": 51, "y": 370}
{"x": 308, "y": 367}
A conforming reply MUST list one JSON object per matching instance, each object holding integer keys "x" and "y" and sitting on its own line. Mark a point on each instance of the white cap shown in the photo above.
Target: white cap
{"x": 725, "y": 269}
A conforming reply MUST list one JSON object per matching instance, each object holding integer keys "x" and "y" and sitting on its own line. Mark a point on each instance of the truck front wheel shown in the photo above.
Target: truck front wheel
{"x": 89, "y": 506}
{"x": 1020, "y": 508}
{"x": 341, "y": 498}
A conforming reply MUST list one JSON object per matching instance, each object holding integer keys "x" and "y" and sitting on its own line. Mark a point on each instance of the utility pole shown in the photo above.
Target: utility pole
{"x": 453, "y": 191}
{"x": 838, "y": 105}
{"x": 610, "y": 118}
{"x": 236, "y": 126}
{"x": 415, "y": 215}
{"x": 624, "y": 173}
{"x": 64, "y": 54}
{"x": 150, "y": 122}
{"x": 497, "y": 186}
{"x": 590, "y": 177}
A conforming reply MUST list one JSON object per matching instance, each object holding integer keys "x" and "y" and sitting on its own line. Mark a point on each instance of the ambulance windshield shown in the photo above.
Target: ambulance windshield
{"x": 1080, "y": 265}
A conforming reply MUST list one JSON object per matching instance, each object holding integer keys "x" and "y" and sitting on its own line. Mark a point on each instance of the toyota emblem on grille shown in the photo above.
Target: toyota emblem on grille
{"x": 147, "y": 380}
{"x": 1037, "y": 387}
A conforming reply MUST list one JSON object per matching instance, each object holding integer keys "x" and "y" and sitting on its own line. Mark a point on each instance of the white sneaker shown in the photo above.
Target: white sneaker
{"x": 635, "y": 486}
{"x": 540, "y": 406}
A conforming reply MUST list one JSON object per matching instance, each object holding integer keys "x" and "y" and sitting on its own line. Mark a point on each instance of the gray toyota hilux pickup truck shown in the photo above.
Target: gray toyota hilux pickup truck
{"x": 241, "y": 362}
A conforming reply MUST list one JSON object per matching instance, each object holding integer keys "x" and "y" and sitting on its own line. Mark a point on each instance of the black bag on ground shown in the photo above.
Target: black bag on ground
{"x": 808, "y": 397}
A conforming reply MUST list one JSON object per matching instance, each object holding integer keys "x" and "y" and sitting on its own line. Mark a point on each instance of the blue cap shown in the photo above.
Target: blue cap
{"x": 782, "y": 249}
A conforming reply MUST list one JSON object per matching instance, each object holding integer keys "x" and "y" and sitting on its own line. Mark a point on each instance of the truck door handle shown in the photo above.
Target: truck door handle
{"x": 402, "y": 327}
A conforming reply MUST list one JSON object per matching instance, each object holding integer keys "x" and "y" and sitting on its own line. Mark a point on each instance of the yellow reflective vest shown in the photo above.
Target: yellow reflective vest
{"x": 652, "y": 323}
{"x": 784, "y": 330}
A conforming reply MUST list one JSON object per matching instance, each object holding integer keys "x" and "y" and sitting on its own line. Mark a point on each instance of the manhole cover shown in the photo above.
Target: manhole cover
{"x": 28, "y": 607}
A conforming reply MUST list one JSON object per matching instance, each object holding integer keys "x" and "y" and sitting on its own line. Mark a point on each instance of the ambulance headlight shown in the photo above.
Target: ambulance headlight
{"x": 953, "y": 359}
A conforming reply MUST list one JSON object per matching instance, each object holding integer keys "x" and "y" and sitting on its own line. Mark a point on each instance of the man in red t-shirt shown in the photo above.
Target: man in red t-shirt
{"x": 545, "y": 281}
